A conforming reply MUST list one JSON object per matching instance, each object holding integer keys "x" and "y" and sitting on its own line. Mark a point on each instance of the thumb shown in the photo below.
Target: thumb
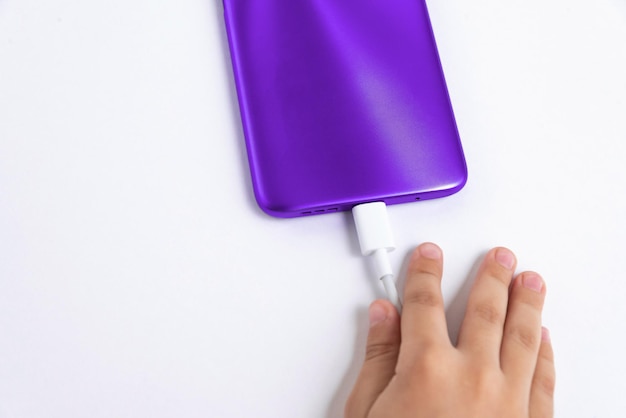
{"x": 381, "y": 356}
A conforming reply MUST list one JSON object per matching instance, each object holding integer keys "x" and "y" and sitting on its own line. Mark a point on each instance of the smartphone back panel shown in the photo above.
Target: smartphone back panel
{"x": 342, "y": 102}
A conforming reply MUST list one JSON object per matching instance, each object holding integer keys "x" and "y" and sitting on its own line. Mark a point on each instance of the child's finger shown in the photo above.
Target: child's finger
{"x": 423, "y": 317}
{"x": 542, "y": 389}
{"x": 522, "y": 330}
{"x": 481, "y": 332}
{"x": 381, "y": 356}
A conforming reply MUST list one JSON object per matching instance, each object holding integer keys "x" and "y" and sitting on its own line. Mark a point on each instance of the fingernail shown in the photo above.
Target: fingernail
{"x": 533, "y": 282}
{"x": 377, "y": 314}
{"x": 429, "y": 250}
{"x": 505, "y": 258}
{"x": 545, "y": 334}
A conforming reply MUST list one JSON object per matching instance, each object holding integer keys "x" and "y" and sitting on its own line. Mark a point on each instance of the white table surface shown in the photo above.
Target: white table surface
{"x": 139, "y": 279}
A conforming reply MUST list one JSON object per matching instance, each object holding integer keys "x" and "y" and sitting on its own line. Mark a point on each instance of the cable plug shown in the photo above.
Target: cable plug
{"x": 376, "y": 240}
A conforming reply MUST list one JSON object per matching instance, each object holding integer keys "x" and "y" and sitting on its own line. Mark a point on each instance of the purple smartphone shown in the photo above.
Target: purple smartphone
{"x": 342, "y": 102}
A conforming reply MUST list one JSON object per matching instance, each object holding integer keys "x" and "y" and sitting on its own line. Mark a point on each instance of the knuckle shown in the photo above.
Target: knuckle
{"x": 428, "y": 366}
{"x": 418, "y": 355}
{"x": 489, "y": 313}
{"x": 533, "y": 300}
{"x": 525, "y": 337}
{"x": 426, "y": 298}
{"x": 380, "y": 351}
{"x": 547, "y": 356}
{"x": 426, "y": 272}
{"x": 499, "y": 277}
{"x": 546, "y": 383}
{"x": 484, "y": 386}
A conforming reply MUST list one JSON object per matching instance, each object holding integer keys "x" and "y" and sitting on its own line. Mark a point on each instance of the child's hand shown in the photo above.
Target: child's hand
{"x": 502, "y": 366}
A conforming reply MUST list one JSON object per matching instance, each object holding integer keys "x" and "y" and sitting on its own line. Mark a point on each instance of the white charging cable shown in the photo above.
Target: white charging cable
{"x": 376, "y": 239}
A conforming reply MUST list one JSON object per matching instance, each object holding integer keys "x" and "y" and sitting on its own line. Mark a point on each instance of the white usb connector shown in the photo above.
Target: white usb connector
{"x": 376, "y": 240}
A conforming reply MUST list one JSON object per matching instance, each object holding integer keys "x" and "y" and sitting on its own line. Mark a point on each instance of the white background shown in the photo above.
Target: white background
{"x": 139, "y": 279}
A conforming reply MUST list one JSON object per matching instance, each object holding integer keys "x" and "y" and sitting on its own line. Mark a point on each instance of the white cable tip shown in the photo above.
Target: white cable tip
{"x": 376, "y": 239}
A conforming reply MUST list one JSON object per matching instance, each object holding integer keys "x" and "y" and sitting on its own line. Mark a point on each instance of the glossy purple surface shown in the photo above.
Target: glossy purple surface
{"x": 342, "y": 102}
